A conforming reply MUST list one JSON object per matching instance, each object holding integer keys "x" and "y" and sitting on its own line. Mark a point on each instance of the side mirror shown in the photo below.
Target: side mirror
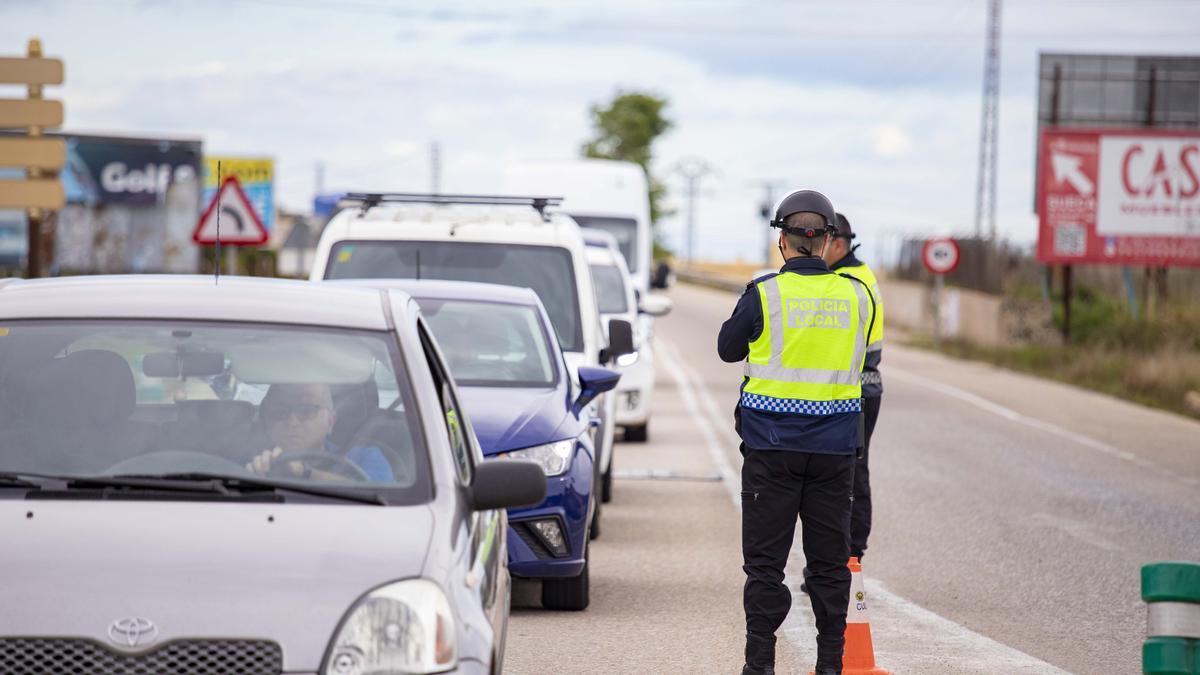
{"x": 620, "y": 340}
{"x": 507, "y": 483}
{"x": 655, "y": 305}
{"x": 662, "y": 276}
{"x": 592, "y": 383}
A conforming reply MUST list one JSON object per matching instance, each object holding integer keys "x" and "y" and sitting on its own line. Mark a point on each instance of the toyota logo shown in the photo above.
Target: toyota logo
{"x": 132, "y": 631}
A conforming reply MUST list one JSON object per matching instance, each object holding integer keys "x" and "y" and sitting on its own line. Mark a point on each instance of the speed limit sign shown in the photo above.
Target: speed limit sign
{"x": 940, "y": 255}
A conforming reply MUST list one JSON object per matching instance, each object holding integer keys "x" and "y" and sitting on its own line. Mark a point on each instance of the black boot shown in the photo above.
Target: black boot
{"x": 829, "y": 660}
{"x": 760, "y": 654}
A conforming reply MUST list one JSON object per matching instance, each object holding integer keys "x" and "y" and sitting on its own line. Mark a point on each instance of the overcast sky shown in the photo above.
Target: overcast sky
{"x": 874, "y": 102}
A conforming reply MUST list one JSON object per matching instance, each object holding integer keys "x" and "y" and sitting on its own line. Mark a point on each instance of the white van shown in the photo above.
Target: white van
{"x": 511, "y": 241}
{"x": 598, "y": 193}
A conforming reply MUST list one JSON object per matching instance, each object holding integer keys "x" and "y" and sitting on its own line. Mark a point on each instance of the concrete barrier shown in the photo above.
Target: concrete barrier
{"x": 965, "y": 315}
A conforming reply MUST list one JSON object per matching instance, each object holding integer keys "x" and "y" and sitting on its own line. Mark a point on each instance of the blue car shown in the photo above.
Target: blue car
{"x": 524, "y": 404}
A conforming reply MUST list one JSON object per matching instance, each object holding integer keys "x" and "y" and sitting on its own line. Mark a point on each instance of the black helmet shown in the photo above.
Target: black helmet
{"x": 843, "y": 227}
{"x": 805, "y": 201}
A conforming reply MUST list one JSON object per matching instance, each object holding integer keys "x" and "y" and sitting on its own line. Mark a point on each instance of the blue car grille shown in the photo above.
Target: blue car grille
{"x": 27, "y": 656}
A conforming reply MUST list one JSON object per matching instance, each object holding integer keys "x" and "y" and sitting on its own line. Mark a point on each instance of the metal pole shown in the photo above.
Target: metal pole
{"x": 1068, "y": 291}
{"x": 435, "y": 168}
{"x": 33, "y": 260}
{"x": 939, "y": 283}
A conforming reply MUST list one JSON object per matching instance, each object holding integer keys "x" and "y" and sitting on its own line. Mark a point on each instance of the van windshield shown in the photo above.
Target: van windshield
{"x": 623, "y": 229}
{"x": 545, "y": 269}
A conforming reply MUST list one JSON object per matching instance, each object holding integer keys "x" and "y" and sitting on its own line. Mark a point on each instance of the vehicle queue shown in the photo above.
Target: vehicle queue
{"x": 462, "y": 356}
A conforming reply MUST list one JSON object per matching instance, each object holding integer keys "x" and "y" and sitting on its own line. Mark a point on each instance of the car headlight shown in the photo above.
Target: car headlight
{"x": 554, "y": 458}
{"x": 405, "y": 627}
{"x": 627, "y": 359}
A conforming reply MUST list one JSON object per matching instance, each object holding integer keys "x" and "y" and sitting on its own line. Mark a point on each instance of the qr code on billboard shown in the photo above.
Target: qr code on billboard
{"x": 1070, "y": 239}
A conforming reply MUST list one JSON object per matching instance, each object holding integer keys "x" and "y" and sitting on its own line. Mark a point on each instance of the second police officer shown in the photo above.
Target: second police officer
{"x": 803, "y": 336}
{"x": 841, "y": 257}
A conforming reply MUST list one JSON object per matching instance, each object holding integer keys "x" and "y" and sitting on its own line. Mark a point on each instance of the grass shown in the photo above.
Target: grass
{"x": 1161, "y": 378}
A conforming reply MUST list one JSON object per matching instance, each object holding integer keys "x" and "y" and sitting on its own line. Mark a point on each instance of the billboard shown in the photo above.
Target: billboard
{"x": 1093, "y": 91}
{"x": 134, "y": 171}
{"x": 1119, "y": 196}
{"x": 256, "y": 176}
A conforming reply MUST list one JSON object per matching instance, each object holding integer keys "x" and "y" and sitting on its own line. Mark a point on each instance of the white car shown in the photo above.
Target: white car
{"x": 511, "y": 241}
{"x": 617, "y": 299}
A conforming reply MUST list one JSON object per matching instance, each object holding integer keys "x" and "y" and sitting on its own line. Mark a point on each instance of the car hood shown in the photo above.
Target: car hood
{"x": 507, "y": 418}
{"x": 282, "y": 572}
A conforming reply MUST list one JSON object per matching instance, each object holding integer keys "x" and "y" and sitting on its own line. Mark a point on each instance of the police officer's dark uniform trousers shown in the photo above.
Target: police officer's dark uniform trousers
{"x": 802, "y": 333}
{"x": 872, "y": 391}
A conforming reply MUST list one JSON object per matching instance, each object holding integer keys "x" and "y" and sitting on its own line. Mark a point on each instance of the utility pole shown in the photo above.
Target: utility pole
{"x": 693, "y": 170}
{"x": 319, "y": 182}
{"x": 768, "y": 212}
{"x": 985, "y": 189}
{"x": 435, "y": 168}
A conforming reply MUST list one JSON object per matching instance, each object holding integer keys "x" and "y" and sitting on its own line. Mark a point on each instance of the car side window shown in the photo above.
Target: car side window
{"x": 452, "y": 416}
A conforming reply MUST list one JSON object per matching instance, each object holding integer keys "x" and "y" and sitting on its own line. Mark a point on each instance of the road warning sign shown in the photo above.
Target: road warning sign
{"x": 230, "y": 218}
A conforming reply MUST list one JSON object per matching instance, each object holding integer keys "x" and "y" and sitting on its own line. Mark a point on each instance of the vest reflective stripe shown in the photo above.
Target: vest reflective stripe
{"x": 791, "y": 384}
{"x": 801, "y": 406}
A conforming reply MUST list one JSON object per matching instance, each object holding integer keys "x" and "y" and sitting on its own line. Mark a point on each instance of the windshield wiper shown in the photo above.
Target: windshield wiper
{"x": 232, "y": 485}
{"x": 194, "y": 483}
{"x": 18, "y": 480}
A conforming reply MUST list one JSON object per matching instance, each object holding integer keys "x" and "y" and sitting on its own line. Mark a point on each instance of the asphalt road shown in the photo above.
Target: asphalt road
{"x": 1012, "y": 518}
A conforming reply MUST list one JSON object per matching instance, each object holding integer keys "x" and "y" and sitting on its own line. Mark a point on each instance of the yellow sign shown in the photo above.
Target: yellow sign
{"x": 247, "y": 169}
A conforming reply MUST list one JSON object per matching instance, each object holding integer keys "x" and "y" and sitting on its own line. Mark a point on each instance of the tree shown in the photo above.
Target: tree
{"x": 626, "y": 130}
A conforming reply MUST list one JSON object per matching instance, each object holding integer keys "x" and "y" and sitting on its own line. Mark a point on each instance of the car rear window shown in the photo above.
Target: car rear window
{"x": 547, "y": 270}
{"x": 610, "y": 289}
{"x": 492, "y": 344}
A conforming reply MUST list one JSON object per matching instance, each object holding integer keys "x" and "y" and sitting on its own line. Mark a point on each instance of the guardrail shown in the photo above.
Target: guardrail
{"x": 1172, "y": 593}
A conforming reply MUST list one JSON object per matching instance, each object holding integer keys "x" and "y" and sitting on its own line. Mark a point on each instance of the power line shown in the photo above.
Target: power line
{"x": 693, "y": 170}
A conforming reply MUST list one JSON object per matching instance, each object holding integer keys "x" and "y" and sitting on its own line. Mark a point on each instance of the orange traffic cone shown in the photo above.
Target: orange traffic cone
{"x": 859, "y": 657}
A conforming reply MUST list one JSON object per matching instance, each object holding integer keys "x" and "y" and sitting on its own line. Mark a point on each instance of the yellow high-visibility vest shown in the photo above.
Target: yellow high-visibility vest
{"x": 875, "y": 339}
{"x": 809, "y": 357}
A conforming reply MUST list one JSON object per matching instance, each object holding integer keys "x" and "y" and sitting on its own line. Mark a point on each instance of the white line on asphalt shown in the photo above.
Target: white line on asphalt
{"x": 905, "y": 623}
{"x": 733, "y": 483}
{"x": 1034, "y": 423}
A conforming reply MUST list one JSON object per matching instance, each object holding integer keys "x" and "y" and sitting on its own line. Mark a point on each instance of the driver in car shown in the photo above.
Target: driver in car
{"x": 298, "y": 420}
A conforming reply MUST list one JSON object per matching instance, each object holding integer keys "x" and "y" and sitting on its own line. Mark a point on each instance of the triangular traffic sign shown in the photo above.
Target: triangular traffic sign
{"x": 240, "y": 224}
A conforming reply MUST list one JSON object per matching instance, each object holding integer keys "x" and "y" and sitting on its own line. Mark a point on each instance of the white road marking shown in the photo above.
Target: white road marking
{"x": 907, "y": 637}
{"x": 1034, "y": 423}
{"x": 730, "y": 478}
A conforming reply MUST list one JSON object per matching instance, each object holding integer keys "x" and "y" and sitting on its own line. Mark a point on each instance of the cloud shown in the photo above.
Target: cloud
{"x": 891, "y": 141}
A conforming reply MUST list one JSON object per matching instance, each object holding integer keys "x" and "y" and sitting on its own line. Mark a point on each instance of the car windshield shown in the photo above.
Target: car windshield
{"x": 491, "y": 344}
{"x": 286, "y": 403}
{"x": 610, "y": 289}
{"x": 545, "y": 269}
{"x": 623, "y": 229}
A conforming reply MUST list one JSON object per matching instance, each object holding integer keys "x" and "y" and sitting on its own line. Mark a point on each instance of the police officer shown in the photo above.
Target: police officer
{"x": 802, "y": 334}
{"x": 840, "y": 255}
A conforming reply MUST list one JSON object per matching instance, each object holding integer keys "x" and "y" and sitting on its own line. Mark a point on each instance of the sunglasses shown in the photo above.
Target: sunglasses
{"x": 304, "y": 412}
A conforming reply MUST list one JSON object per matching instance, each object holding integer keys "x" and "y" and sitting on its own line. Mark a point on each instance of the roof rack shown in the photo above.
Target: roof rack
{"x": 368, "y": 200}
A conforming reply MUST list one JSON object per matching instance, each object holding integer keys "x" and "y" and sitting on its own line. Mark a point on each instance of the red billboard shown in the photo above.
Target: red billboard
{"x": 1119, "y": 196}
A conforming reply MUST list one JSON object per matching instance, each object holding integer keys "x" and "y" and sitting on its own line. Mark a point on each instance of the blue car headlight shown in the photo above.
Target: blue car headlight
{"x": 554, "y": 458}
